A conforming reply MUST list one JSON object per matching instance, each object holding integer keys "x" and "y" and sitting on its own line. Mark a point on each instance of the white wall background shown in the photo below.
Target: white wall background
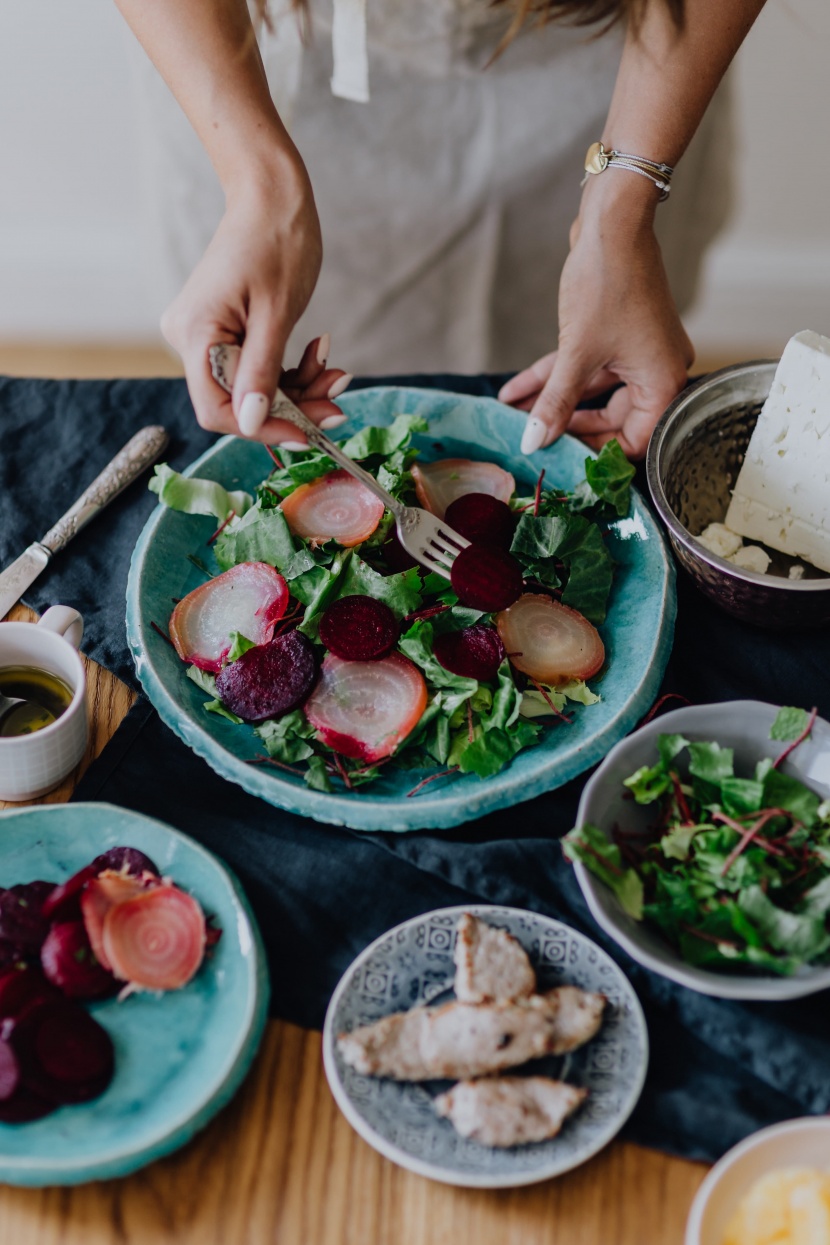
{"x": 73, "y": 256}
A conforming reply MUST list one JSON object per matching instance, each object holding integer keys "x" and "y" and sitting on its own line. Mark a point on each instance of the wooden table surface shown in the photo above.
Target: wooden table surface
{"x": 280, "y": 1165}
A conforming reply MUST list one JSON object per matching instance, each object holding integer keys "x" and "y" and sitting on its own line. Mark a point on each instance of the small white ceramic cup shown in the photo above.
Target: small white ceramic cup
{"x": 31, "y": 765}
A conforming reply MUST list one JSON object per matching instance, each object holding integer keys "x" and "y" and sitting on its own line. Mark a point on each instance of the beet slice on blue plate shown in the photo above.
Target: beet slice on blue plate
{"x": 359, "y": 628}
{"x": 9, "y": 955}
{"x": 64, "y": 901}
{"x": 482, "y": 519}
{"x": 65, "y": 1055}
{"x": 486, "y": 579}
{"x": 474, "y": 653}
{"x": 269, "y": 680}
{"x": 9, "y": 1071}
{"x": 24, "y": 1106}
{"x": 69, "y": 963}
{"x": 125, "y": 860}
{"x": 19, "y": 988}
{"x": 22, "y": 922}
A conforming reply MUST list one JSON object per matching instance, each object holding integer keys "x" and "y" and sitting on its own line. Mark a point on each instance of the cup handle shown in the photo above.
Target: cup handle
{"x": 65, "y": 621}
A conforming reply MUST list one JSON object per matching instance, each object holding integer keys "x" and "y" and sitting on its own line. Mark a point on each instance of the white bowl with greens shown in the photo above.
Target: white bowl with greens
{"x": 702, "y": 846}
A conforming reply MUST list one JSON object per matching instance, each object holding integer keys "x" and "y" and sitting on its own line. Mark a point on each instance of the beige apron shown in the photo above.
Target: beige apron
{"x": 446, "y": 199}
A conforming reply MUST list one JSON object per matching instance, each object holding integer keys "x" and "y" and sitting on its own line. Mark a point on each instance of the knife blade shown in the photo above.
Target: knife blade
{"x": 128, "y": 464}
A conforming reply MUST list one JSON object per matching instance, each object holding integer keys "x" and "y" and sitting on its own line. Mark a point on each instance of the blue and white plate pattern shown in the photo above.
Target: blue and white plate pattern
{"x": 412, "y": 965}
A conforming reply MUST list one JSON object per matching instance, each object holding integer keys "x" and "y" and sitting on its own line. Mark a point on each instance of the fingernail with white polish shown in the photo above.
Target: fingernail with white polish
{"x": 340, "y": 386}
{"x": 533, "y": 436}
{"x": 323, "y": 348}
{"x": 294, "y": 445}
{"x": 332, "y": 421}
{"x": 252, "y": 413}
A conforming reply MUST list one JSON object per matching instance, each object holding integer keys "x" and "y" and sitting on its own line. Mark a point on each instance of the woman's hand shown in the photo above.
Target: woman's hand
{"x": 250, "y": 288}
{"x": 618, "y": 324}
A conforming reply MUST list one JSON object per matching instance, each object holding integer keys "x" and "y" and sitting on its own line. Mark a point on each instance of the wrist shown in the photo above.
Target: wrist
{"x": 618, "y": 200}
{"x": 270, "y": 169}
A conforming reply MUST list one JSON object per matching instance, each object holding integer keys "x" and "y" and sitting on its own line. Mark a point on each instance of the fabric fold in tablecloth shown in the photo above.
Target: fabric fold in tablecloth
{"x": 718, "y": 1069}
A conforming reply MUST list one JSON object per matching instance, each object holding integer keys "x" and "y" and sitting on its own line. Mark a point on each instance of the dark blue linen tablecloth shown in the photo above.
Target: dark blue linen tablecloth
{"x": 718, "y": 1069}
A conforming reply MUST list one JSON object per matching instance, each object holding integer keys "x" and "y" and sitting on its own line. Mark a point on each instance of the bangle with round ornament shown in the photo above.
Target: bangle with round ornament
{"x": 597, "y": 160}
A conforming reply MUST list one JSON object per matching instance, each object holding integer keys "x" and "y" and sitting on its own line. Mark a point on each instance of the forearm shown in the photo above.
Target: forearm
{"x": 206, "y": 52}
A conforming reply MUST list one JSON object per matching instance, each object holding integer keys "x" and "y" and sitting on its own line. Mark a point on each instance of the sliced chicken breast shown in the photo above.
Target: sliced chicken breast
{"x": 491, "y": 966}
{"x": 509, "y": 1110}
{"x": 578, "y": 1017}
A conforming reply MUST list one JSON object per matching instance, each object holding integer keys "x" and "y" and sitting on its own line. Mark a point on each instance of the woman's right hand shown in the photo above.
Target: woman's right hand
{"x": 250, "y": 287}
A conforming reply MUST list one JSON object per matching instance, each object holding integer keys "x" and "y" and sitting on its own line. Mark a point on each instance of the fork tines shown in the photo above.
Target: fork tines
{"x": 443, "y": 548}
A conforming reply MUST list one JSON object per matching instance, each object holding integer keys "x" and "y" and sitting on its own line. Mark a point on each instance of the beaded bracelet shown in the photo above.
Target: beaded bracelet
{"x": 597, "y": 160}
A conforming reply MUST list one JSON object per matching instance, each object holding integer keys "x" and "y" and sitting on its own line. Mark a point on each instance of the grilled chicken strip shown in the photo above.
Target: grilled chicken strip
{"x": 491, "y": 966}
{"x": 509, "y": 1110}
{"x": 460, "y": 1041}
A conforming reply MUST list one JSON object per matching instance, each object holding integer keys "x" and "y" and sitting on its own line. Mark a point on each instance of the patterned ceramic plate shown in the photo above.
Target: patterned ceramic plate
{"x": 412, "y": 964}
{"x": 637, "y": 631}
{"x": 178, "y": 1057}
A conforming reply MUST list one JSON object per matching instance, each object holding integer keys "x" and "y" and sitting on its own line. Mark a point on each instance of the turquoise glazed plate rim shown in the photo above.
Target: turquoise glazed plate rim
{"x": 637, "y": 633}
{"x": 172, "y": 1077}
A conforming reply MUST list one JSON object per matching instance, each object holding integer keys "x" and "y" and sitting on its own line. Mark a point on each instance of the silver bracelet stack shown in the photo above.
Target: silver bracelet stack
{"x": 597, "y": 160}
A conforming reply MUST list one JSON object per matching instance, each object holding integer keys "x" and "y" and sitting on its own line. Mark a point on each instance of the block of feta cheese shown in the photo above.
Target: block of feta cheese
{"x": 782, "y": 494}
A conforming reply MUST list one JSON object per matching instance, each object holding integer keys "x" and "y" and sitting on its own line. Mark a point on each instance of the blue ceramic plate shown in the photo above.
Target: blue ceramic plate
{"x": 179, "y": 1057}
{"x": 412, "y": 965}
{"x": 637, "y": 633}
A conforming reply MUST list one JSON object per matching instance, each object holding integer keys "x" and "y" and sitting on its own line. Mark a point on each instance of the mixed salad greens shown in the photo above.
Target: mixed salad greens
{"x": 734, "y": 871}
{"x": 319, "y": 613}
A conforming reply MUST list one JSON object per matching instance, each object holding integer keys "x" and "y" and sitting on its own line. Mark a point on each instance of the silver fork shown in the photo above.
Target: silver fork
{"x": 432, "y": 543}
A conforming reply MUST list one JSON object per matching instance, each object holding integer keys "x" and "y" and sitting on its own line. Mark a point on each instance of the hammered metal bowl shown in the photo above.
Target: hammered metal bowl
{"x": 693, "y": 461}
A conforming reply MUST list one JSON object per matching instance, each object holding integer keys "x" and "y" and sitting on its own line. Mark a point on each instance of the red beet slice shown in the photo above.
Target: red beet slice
{"x": 474, "y": 653}
{"x": 486, "y": 579}
{"x": 24, "y": 1106}
{"x": 64, "y": 903}
{"x": 550, "y": 641}
{"x": 9, "y": 1071}
{"x": 99, "y": 895}
{"x": 438, "y": 484}
{"x": 359, "y": 628}
{"x": 65, "y": 1055}
{"x": 269, "y": 680}
{"x": 69, "y": 962}
{"x": 250, "y": 598}
{"x": 19, "y": 988}
{"x": 125, "y": 860}
{"x": 482, "y": 519}
{"x": 9, "y": 955}
{"x": 22, "y": 922}
{"x": 157, "y": 940}
{"x": 364, "y": 709}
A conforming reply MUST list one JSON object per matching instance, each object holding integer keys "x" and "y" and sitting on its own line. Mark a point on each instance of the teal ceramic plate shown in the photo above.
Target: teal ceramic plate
{"x": 179, "y": 1057}
{"x": 637, "y": 633}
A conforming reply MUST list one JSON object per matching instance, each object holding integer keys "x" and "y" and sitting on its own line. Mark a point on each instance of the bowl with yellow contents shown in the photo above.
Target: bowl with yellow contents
{"x": 771, "y": 1189}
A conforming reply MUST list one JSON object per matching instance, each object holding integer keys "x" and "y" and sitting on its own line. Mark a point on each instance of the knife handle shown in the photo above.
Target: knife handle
{"x": 128, "y": 464}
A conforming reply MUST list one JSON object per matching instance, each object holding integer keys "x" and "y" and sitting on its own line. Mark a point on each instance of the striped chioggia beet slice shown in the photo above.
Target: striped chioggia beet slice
{"x": 359, "y": 628}
{"x": 333, "y": 507}
{"x": 438, "y": 484}
{"x": 364, "y": 709}
{"x": 156, "y": 941}
{"x": 102, "y": 893}
{"x": 250, "y": 598}
{"x": 549, "y": 641}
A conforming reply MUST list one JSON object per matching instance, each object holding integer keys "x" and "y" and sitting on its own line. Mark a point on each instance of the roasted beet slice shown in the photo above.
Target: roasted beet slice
{"x": 486, "y": 579}
{"x": 269, "y": 680}
{"x": 474, "y": 653}
{"x": 9, "y": 1071}
{"x": 157, "y": 940}
{"x": 482, "y": 519}
{"x": 22, "y": 922}
{"x": 69, "y": 962}
{"x": 99, "y": 895}
{"x": 549, "y": 641}
{"x": 438, "y": 484}
{"x": 335, "y": 506}
{"x": 250, "y": 598}
{"x": 64, "y": 902}
{"x": 20, "y": 987}
{"x": 364, "y": 709}
{"x": 359, "y": 628}
{"x": 9, "y": 955}
{"x": 65, "y": 1055}
{"x": 125, "y": 860}
{"x": 23, "y": 1107}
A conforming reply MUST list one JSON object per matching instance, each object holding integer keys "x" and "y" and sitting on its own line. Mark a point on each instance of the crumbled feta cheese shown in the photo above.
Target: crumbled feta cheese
{"x": 752, "y": 558}
{"x": 782, "y": 495}
{"x": 796, "y": 572}
{"x": 718, "y": 539}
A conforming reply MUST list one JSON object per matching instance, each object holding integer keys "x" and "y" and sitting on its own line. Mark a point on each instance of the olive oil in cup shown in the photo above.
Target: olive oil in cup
{"x": 46, "y": 737}
{"x": 45, "y": 697}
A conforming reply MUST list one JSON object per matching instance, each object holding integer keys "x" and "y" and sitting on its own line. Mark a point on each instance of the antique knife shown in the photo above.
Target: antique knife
{"x": 136, "y": 456}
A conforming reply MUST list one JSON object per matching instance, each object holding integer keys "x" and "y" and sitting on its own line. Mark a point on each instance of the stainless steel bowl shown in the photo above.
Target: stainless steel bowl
{"x": 693, "y": 461}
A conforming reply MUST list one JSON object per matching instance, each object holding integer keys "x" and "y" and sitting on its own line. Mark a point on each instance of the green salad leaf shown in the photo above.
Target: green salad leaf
{"x": 588, "y": 844}
{"x": 789, "y": 724}
{"x": 607, "y": 484}
{"x": 192, "y": 495}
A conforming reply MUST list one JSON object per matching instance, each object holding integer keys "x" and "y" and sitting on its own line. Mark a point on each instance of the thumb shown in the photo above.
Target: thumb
{"x": 259, "y": 370}
{"x": 555, "y": 405}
